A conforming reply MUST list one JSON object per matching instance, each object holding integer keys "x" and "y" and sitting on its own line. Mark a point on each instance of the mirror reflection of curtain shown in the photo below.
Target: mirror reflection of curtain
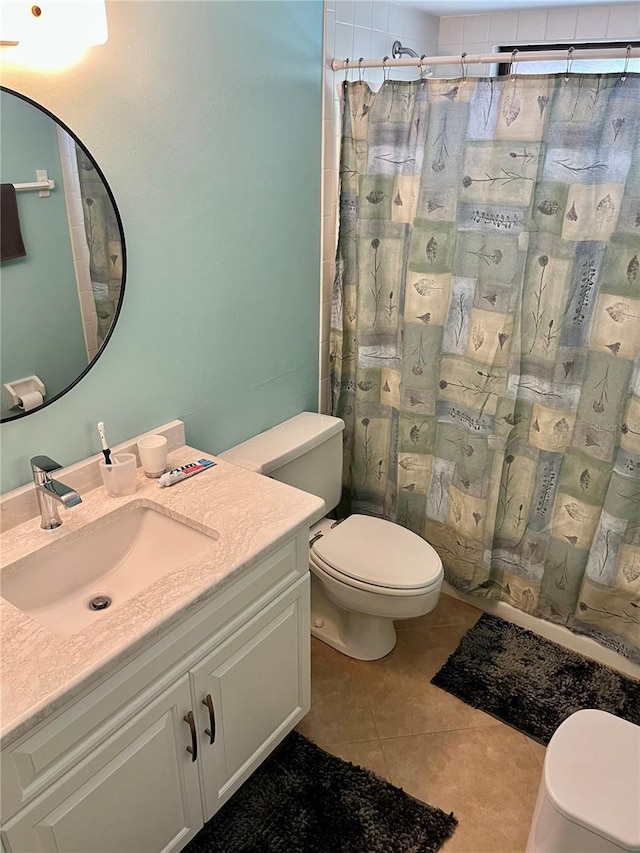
{"x": 103, "y": 239}
{"x": 486, "y": 334}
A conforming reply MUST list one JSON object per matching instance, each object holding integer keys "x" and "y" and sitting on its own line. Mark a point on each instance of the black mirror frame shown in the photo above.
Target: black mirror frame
{"x": 116, "y": 315}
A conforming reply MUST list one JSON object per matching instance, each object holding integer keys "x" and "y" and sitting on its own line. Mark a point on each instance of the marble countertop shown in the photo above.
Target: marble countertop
{"x": 251, "y": 516}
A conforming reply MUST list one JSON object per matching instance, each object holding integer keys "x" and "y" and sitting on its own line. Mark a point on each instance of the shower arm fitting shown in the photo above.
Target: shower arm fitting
{"x": 397, "y": 51}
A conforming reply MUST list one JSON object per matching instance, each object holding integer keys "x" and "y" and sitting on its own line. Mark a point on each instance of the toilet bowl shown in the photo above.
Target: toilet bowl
{"x": 366, "y": 573}
{"x": 589, "y": 794}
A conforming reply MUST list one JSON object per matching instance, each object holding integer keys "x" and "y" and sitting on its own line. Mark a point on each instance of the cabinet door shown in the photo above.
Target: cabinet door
{"x": 139, "y": 791}
{"x": 257, "y": 685}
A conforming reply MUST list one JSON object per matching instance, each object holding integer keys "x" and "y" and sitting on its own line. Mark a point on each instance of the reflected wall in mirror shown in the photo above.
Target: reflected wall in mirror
{"x": 59, "y": 302}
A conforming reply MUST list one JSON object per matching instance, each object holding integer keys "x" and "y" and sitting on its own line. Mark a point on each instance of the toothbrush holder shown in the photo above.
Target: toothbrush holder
{"x": 119, "y": 478}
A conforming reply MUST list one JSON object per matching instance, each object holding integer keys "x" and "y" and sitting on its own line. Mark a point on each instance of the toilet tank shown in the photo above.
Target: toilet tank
{"x": 304, "y": 451}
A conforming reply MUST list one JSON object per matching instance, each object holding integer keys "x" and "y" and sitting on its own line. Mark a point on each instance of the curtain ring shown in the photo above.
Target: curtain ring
{"x": 385, "y": 70}
{"x": 569, "y": 63}
{"x": 513, "y": 64}
{"x": 425, "y": 71}
{"x": 346, "y": 69}
{"x": 626, "y": 64}
{"x": 463, "y": 68}
{"x": 360, "y": 61}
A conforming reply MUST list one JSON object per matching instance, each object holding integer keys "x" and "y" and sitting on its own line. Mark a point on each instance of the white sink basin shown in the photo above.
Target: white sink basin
{"x": 115, "y": 558}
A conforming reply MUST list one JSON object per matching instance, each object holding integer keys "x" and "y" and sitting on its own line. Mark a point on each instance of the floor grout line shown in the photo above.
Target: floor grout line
{"x": 496, "y": 724}
{"x": 399, "y": 749}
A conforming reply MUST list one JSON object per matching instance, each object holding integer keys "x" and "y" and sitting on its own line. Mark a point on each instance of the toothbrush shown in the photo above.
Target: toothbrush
{"x": 105, "y": 446}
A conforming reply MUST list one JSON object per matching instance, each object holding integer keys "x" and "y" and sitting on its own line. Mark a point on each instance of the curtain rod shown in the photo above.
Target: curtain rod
{"x": 489, "y": 58}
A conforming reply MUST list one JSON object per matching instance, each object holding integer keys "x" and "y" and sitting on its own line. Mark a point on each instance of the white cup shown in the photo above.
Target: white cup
{"x": 153, "y": 454}
{"x": 119, "y": 477}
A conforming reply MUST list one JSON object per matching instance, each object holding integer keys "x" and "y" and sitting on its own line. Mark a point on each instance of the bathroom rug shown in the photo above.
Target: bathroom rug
{"x": 303, "y": 800}
{"x": 531, "y": 683}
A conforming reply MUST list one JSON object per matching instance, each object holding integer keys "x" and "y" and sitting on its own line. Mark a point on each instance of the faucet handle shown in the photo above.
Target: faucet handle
{"x": 44, "y": 464}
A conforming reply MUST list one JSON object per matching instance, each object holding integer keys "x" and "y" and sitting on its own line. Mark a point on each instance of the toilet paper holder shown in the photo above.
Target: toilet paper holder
{"x": 14, "y": 391}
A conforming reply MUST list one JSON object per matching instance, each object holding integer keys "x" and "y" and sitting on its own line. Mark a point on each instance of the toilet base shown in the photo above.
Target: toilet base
{"x": 590, "y": 789}
{"x": 552, "y": 832}
{"x": 356, "y": 635}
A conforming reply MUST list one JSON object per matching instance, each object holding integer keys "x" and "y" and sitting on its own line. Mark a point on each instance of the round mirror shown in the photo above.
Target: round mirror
{"x": 63, "y": 258}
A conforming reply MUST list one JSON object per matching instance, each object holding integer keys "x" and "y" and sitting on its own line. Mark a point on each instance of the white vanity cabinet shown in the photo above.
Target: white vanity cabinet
{"x": 257, "y": 685}
{"x": 114, "y": 772}
{"x": 138, "y": 792}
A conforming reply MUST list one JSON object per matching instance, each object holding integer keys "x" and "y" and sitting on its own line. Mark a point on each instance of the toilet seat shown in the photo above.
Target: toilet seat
{"x": 377, "y": 555}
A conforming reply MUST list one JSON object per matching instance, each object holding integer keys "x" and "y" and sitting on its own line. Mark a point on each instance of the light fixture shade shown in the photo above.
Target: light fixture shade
{"x": 74, "y": 21}
{"x": 48, "y": 28}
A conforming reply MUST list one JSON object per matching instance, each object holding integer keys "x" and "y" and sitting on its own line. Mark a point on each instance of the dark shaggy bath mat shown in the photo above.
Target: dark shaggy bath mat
{"x": 531, "y": 683}
{"x": 303, "y": 800}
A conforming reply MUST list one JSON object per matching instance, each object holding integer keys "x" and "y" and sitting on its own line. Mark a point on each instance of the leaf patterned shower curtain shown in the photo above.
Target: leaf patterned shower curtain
{"x": 104, "y": 242}
{"x": 485, "y": 343}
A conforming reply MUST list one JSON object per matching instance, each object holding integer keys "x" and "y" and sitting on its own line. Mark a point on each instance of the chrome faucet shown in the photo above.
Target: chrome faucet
{"x": 50, "y": 492}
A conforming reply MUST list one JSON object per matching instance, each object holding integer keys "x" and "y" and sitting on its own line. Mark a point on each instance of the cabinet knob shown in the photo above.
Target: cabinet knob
{"x": 193, "y": 749}
{"x": 211, "y": 731}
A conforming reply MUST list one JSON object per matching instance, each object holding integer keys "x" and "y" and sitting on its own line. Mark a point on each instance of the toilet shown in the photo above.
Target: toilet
{"x": 365, "y": 571}
{"x": 589, "y": 794}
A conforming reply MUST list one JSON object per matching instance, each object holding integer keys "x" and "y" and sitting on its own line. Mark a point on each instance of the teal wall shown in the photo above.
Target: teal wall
{"x": 41, "y": 286}
{"x": 206, "y": 120}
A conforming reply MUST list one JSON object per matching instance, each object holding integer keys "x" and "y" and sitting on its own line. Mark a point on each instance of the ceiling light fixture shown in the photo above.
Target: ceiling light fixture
{"x": 50, "y": 34}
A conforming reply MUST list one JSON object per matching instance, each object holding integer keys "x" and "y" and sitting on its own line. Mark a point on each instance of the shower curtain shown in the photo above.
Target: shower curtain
{"x": 485, "y": 345}
{"x": 103, "y": 239}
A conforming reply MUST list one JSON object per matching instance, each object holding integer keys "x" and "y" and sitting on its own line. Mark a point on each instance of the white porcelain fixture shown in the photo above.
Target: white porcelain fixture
{"x": 150, "y": 745}
{"x": 589, "y": 795}
{"x": 116, "y": 558}
{"x": 366, "y": 571}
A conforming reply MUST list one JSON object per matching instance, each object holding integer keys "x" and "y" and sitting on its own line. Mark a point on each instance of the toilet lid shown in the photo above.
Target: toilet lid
{"x": 592, "y": 775}
{"x": 380, "y": 553}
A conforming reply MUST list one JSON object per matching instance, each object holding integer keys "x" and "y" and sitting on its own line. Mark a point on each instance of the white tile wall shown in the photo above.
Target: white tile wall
{"x": 368, "y": 28}
{"x": 532, "y": 25}
{"x": 460, "y": 33}
{"x": 624, "y": 22}
{"x": 562, "y": 23}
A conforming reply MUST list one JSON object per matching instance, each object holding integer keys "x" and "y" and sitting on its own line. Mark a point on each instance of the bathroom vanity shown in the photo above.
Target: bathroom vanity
{"x": 131, "y": 732}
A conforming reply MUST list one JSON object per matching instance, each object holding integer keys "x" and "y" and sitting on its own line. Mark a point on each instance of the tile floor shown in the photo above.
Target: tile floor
{"x": 386, "y": 716}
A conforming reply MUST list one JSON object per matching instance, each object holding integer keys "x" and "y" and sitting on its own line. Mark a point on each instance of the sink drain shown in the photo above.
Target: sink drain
{"x": 99, "y": 602}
